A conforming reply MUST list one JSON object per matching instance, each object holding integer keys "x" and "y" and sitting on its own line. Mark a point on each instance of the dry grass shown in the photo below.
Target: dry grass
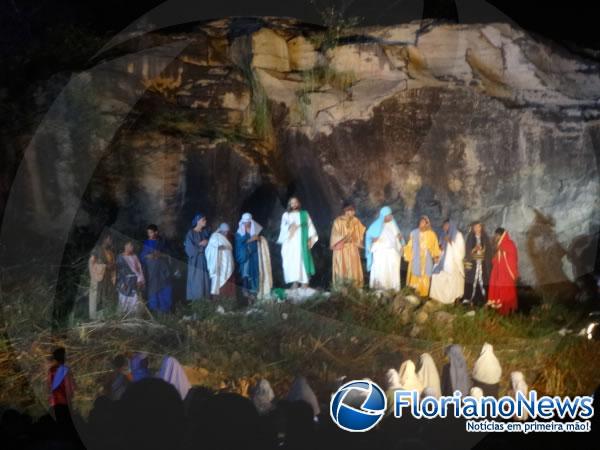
{"x": 351, "y": 333}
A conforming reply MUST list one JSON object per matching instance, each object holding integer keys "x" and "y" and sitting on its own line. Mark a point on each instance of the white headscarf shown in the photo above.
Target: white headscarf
{"x": 255, "y": 227}
{"x": 429, "y": 375}
{"x": 476, "y": 392}
{"x": 518, "y": 384}
{"x": 172, "y": 372}
{"x": 263, "y": 396}
{"x": 301, "y": 390}
{"x": 408, "y": 377}
{"x": 487, "y": 367}
{"x": 392, "y": 379}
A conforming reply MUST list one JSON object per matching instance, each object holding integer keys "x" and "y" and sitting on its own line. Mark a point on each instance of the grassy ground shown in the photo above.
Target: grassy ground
{"x": 350, "y": 333}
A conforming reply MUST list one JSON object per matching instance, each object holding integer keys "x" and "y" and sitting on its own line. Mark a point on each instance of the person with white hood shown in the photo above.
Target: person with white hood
{"x": 429, "y": 375}
{"x": 253, "y": 257}
{"x": 405, "y": 379}
{"x": 487, "y": 371}
{"x": 172, "y": 372}
{"x": 219, "y": 259}
{"x": 518, "y": 384}
{"x": 263, "y": 396}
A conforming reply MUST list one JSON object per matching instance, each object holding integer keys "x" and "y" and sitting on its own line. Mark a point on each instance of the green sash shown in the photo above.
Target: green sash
{"x": 309, "y": 265}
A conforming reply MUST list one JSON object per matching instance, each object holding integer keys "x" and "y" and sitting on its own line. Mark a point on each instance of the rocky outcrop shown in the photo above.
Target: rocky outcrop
{"x": 462, "y": 121}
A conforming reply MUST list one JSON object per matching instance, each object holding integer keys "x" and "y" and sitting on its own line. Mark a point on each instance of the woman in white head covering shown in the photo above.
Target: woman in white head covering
{"x": 429, "y": 376}
{"x": 263, "y": 396}
{"x": 301, "y": 390}
{"x": 408, "y": 377}
{"x": 518, "y": 384}
{"x": 476, "y": 392}
{"x": 487, "y": 371}
{"x": 172, "y": 372}
{"x": 253, "y": 258}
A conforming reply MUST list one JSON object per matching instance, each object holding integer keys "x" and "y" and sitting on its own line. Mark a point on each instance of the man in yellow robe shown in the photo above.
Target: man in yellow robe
{"x": 347, "y": 235}
{"x": 421, "y": 253}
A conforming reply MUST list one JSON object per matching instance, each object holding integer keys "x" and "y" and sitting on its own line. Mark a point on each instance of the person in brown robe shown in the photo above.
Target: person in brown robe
{"x": 347, "y": 234}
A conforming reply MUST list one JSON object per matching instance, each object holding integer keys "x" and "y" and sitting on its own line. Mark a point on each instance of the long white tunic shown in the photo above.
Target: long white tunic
{"x": 219, "y": 261}
{"x": 387, "y": 254}
{"x": 291, "y": 247}
{"x": 449, "y": 284}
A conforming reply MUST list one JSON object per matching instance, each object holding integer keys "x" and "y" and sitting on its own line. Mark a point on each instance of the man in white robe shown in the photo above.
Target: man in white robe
{"x": 219, "y": 259}
{"x": 448, "y": 279}
{"x": 297, "y": 236}
{"x": 384, "y": 251}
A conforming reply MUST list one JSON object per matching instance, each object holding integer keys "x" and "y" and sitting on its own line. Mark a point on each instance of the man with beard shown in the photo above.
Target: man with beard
{"x": 346, "y": 239}
{"x": 297, "y": 236}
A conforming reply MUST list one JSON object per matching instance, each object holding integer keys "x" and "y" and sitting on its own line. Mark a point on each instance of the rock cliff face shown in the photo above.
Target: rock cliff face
{"x": 461, "y": 121}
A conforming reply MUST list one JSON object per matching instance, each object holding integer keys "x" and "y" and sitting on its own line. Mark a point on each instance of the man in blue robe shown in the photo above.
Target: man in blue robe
{"x": 198, "y": 278}
{"x": 246, "y": 253}
{"x": 157, "y": 270}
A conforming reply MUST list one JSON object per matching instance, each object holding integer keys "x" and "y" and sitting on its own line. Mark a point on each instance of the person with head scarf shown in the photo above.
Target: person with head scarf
{"x": 383, "y": 250}
{"x": 448, "y": 279}
{"x": 421, "y": 252}
{"x": 346, "y": 240}
{"x": 301, "y": 390}
{"x": 253, "y": 257}
{"x": 478, "y": 263}
{"x": 487, "y": 371}
{"x": 476, "y": 392}
{"x": 138, "y": 365}
{"x": 157, "y": 270}
{"x": 297, "y": 236}
{"x": 429, "y": 376}
{"x": 409, "y": 381}
{"x": 196, "y": 241}
{"x": 263, "y": 396}
{"x": 518, "y": 384}
{"x": 502, "y": 295}
{"x": 455, "y": 375}
{"x": 103, "y": 277}
{"x": 172, "y": 372}
{"x": 219, "y": 259}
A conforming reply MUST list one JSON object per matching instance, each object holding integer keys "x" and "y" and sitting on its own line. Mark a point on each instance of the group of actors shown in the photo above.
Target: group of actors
{"x": 448, "y": 268}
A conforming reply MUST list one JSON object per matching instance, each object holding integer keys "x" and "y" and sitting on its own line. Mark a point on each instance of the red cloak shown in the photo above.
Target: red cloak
{"x": 502, "y": 292}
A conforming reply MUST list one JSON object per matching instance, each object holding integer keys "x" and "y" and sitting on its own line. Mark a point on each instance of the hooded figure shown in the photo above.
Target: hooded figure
{"x": 429, "y": 376}
{"x": 253, "y": 257}
{"x": 502, "y": 294}
{"x": 518, "y": 384}
{"x": 487, "y": 371}
{"x": 219, "y": 259}
{"x": 172, "y": 372}
{"x": 409, "y": 380}
{"x": 196, "y": 240}
{"x": 476, "y": 392}
{"x": 448, "y": 279}
{"x": 263, "y": 396}
{"x": 139, "y": 367}
{"x": 300, "y": 390}
{"x": 383, "y": 250}
{"x": 455, "y": 374}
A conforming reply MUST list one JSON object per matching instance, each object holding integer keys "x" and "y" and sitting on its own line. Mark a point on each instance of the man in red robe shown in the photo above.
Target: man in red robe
{"x": 502, "y": 294}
